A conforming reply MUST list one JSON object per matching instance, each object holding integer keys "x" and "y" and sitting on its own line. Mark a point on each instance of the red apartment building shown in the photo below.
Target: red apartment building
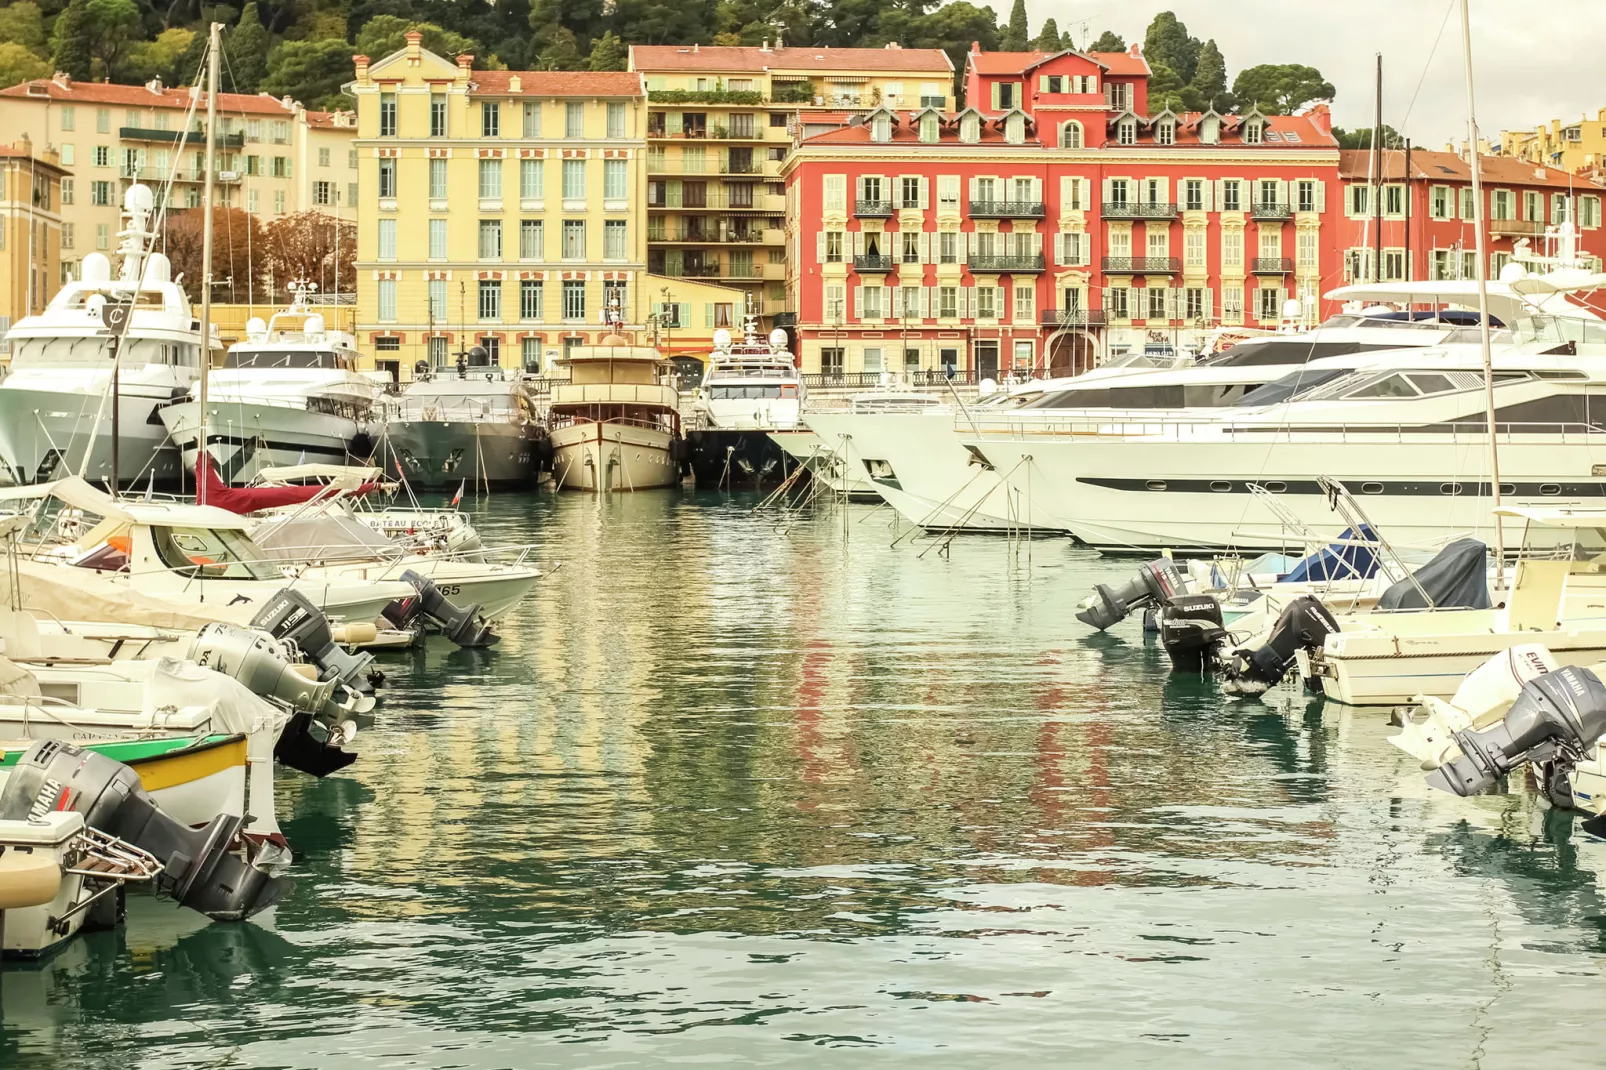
{"x": 1053, "y": 221}
{"x": 1426, "y": 231}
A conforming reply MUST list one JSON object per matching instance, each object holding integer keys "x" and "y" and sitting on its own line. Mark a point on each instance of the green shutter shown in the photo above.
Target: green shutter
{"x": 995, "y": 96}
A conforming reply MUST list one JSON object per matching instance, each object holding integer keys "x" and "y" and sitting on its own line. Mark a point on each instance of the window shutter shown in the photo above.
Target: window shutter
{"x": 895, "y": 193}
{"x": 1282, "y": 192}
{"x": 998, "y": 302}
{"x": 858, "y": 302}
{"x": 1067, "y": 192}
{"x": 1037, "y": 189}
{"x": 972, "y": 185}
{"x": 1220, "y": 194}
{"x": 925, "y": 192}
{"x": 1109, "y": 184}
{"x": 925, "y": 247}
{"x": 1042, "y": 83}
{"x": 1037, "y": 244}
{"x": 994, "y": 88}
{"x": 819, "y": 248}
{"x": 708, "y": 315}
{"x": 858, "y": 187}
{"x": 858, "y": 243}
{"x": 1321, "y": 196}
{"x": 1162, "y": 194}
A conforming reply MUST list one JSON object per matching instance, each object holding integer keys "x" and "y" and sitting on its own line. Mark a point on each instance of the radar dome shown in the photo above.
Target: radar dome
{"x": 139, "y": 199}
{"x": 1512, "y": 272}
{"x": 314, "y": 324}
{"x": 96, "y": 305}
{"x": 256, "y": 325}
{"x": 96, "y": 268}
{"x": 1293, "y": 309}
{"x": 778, "y": 338}
{"x": 722, "y": 339}
{"x": 987, "y": 387}
{"x": 158, "y": 269}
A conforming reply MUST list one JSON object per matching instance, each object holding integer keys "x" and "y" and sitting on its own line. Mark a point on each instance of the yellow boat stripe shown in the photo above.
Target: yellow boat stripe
{"x": 186, "y": 767}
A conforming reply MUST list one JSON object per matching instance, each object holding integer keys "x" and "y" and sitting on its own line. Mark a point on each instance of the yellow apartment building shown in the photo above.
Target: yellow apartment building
{"x": 1577, "y": 146}
{"x": 720, "y": 122}
{"x": 275, "y": 157}
{"x": 30, "y": 233}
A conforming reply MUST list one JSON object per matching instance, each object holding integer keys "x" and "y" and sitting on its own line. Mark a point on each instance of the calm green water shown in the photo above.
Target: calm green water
{"x": 733, "y": 794}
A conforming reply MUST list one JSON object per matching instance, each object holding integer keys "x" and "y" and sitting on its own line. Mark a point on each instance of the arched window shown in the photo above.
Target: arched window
{"x": 1071, "y": 135}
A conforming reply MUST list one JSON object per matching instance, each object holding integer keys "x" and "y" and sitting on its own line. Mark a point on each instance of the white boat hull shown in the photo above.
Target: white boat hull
{"x": 844, "y": 476}
{"x": 44, "y": 435}
{"x": 604, "y": 457}
{"x": 243, "y": 438}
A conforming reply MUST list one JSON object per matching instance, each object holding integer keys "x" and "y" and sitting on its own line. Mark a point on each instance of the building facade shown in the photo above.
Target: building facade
{"x": 274, "y": 156}
{"x": 1053, "y": 224}
{"x": 30, "y": 233}
{"x": 721, "y": 120}
{"x": 1421, "y": 226}
{"x": 1578, "y": 146}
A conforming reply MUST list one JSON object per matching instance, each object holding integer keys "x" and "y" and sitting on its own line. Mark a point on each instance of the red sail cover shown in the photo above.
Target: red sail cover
{"x": 213, "y": 491}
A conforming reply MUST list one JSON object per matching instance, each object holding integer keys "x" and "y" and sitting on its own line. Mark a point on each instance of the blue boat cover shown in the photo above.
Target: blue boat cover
{"x": 1338, "y": 561}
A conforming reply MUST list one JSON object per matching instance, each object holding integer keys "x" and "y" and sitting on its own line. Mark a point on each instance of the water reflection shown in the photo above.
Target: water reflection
{"x": 731, "y": 790}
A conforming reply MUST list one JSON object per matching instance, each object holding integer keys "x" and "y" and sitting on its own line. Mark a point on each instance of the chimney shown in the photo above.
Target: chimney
{"x": 465, "y": 64}
{"x": 515, "y": 84}
{"x": 155, "y": 85}
{"x": 361, "y": 63}
{"x": 414, "y": 48}
{"x": 893, "y": 44}
{"x": 63, "y": 79}
{"x": 1321, "y": 117}
{"x": 694, "y": 47}
{"x": 765, "y": 47}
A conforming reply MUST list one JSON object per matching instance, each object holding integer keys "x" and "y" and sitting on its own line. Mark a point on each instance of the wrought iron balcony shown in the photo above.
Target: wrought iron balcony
{"x": 1272, "y": 265}
{"x": 740, "y": 167}
{"x": 873, "y": 209}
{"x": 1073, "y": 317}
{"x": 1268, "y": 210}
{"x": 872, "y": 265}
{"x": 196, "y": 138}
{"x": 1142, "y": 265}
{"x": 699, "y": 271}
{"x": 784, "y": 319}
{"x": 1005, "y": 265}
{"x": 1139, "y": 210}
{"x": 1006, "y": 209}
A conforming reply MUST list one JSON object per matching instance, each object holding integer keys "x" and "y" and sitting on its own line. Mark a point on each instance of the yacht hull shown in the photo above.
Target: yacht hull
{"x": 44, "y": 435}
{"x": 441, "y": 455}
{"x": 844, "y": 475}
{"x": 243, "y": 437}
{"x": 732, "y": 458}
{"x": 603, "y": 457}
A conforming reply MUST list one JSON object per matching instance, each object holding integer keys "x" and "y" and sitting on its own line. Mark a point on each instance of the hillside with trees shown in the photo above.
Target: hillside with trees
{"x": 303, "y": 48}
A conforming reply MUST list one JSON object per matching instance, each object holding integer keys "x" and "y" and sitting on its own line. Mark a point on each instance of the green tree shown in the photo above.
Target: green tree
{"x": 18, "y": 64}
{"x": 162, "y": 58}
{"x": 310, "y": 71}
{"x": 1017, "y": 34}
{"x": 1209, "y": 86}
{"x": 1108, "y": 41}
{"x": 1048, "y": 38}
{"x": 21, "y": 23}
{"x": 562, "y": 52}
{"x": 247, "y": 50}
{"x": 74, "y": 51}
{"x": 384, "y": 34}
{"x": 1165, "y": 88}
{"x": 952, "y": 28}
{"x": 1168, "y": 42}
{"x": 608, "y": 53}
{"x": 113, "y": 27}
{"x": 1362, "y": 139}
{"x": 1280, "y": 88}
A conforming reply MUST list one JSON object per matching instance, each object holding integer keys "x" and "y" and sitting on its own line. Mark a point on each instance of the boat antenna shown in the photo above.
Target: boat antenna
{"x": 1483, "y": 295}
{"x": 213, "y": 48}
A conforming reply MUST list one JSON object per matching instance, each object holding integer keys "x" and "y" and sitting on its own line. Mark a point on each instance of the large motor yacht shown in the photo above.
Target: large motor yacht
{"x": 749, "y": 389}
{"x": 56, "y": 405}
{"x": 474, "y": 426}
{"x": 289, "y": 392}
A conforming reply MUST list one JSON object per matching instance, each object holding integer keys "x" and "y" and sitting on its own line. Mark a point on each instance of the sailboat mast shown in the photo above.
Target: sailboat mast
{"x": 1482, "y": 276}
{"x": 212, "y": 51}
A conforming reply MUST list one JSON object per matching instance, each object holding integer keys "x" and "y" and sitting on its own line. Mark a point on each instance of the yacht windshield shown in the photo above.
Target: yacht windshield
{"x": 281, "y": 358}
{"x": 213, "y": 553}
{"x": 1558, "y": 330}
{"x": 1290, "y": 386}
{"x": 721, "y": 392}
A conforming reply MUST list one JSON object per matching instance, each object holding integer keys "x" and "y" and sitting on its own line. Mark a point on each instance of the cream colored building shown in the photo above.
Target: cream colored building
{"x": 1578, "y": 146}
{"x": 30, "y": 233}
{"x": 274, "y": 156}
{"x": 721, "y": 120}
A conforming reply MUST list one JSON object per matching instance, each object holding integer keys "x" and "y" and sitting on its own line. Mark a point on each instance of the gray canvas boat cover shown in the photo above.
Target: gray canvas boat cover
{"x": 1457, "y": 578}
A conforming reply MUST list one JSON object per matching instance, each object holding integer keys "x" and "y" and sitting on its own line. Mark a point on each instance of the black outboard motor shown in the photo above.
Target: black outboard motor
{"x": 291, "y": 615}
{"x": 1157, "y": 581}
{"x": 462, "y": 626}
{"x": 1305, "y": 624}
{"x": 1559, "y": 715}
{"x": 198, "y": 867}
{"x": 1191, "y": 630}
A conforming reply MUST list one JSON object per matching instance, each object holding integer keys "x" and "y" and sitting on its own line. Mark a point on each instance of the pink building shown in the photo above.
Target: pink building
{"x": 1053, "y": 221}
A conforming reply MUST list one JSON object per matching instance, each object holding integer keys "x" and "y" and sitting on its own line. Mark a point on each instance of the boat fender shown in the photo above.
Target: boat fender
{"x": 199, "y": 867}
{"x": 1303, "y": 625}
{"x": 1156, "y": 581}
{"x": 462, "y": 625}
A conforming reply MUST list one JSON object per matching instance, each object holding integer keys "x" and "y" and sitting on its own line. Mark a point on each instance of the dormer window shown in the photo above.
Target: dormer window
{"x": 1210, "y": 129}
{"x": 1254, "y": 132}
{"x": 1126, "y": 132}
{"x": 1165, "y": 132}
{"x": 928, "y": 128}
{"x": 970, "y": 129}
{"x": 1071, "y": 135}
{"x": 881, "y": 128}
{"x": 1015, "y": 129}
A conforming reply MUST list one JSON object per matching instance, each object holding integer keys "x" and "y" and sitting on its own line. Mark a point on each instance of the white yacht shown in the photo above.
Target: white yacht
{"x": 748, "y": 390}
{"x": 1406, "y": 432}
{"x": 289, "y": 392}
{"x": 475, "y": 426}
{"x": 56, "y": 404}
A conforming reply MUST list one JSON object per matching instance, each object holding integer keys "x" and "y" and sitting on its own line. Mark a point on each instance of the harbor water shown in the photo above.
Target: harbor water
{"x": 740, "y": 790}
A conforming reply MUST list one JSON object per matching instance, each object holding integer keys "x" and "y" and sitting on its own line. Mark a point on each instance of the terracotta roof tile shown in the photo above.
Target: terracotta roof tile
{"x": 996, "y": 63}
{"x": 1450, "y": 167}
{"x": 138, "y": 96}
{"x": 560, "y": 83}
{"x": 748, "y": 58}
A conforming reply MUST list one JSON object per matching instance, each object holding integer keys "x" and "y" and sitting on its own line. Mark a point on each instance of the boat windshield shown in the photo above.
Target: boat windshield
{"x": 282, "y": 358}
{"x": 1290, "y": 386}
{"x": 213, "y": 553}
{"x": 1558, "y": 330}
{"x": 735, "y": 391}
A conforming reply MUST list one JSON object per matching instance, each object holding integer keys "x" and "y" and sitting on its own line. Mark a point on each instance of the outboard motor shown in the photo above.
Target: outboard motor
{"x": 1305, "y": 624}
{"x": 262, "y": 665}
{"x": 291, "y": 615}
{"x": 1191, "y": 629}
{"x": 1158, "y": 581}
{"x": 1558, "y": 717}
{"x": 198, "y": 867}
{"x": 461, "y": 625}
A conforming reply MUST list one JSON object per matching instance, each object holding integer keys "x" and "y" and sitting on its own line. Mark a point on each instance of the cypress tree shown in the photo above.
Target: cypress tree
{"x": 1048, "y": 38}
{"x": 1017, "y": 34}
{"x": 1209, "y": 86}
{"x": 1108, "y": 41}
{"x": 248, "y": 51}
{"x": 608, "y": 53}
{"x": 73, "y": 54}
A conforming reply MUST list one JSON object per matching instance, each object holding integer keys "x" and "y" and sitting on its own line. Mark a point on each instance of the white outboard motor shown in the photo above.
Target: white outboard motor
{"x": 1156, "y": 582}
{"x": 1485, "y": 695}
{"x": 262, "y": 665}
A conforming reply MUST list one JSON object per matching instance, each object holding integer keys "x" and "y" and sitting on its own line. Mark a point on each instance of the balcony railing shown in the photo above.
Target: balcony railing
{"x": 745, "y": 271}
{"x": 1073, "y": 317}
{"x": 1005, "y": 265}
{"x": 908, "y": 377}
{"x": 695, "y": 271}
{"x": 1505, "y": 227}
{"x": 733, "y": 167}
{"x": 1141, "y": 265}
{"x": 1268, "y": 210}
{"x": 180, "y": 137}
{"x": 1006, "y": 209}
{"x": 872, "y": 265}
{"x": 1139, "y": 210}
{"x": 873, "y": 209}
{"x": 1272, "y": 265}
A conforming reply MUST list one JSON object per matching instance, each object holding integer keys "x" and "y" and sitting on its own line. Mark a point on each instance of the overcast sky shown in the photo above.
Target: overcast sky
{"x": 1534, "y": 59}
